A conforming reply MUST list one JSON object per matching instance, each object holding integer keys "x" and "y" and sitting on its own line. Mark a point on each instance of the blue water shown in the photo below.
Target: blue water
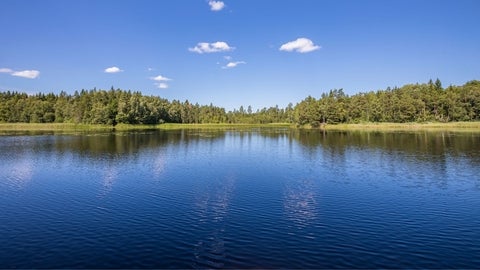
{"x": 262, "y": 198}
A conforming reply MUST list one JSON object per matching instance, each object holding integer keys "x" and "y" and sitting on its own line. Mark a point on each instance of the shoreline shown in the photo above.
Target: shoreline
{"x": 32, "y": 127}
{"x": 433, "y": 126}
{"x": 430, "y": 126}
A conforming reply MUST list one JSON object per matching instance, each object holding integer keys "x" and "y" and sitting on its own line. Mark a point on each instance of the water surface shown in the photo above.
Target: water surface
{"x": 261, "y": 198}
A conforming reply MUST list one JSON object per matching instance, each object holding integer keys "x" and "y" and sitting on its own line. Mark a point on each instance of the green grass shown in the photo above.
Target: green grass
{"x": 452, "y": 126}
{"x": 85, "y": 127}
{"x": 67, "y": 127}
{"x": 223, "y": 126}
{"x": 50, "y": 127}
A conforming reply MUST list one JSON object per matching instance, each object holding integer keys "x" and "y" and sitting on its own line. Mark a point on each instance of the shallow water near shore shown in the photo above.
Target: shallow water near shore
{"x": 258, "y": 198}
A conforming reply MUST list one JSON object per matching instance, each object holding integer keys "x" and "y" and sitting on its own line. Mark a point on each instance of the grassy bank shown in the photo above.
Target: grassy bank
{"x": 84, "y": 127}
{"x": 223, "y": 126}
{"x": 51, "y": 127}
{"x": 455, "y": 126}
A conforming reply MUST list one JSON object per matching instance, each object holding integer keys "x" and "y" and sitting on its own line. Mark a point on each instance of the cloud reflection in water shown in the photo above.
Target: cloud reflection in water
{"x": 19, "y": 174}
{"x": 212, "y": 206}
{"x": 300, "y": 203}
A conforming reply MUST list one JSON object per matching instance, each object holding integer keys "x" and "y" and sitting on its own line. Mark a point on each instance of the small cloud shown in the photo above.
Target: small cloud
{"x": 160, "y": 78}
{"x": 216, "y": 5}
{"x": 150, "y": 69}
{"x": 29, "y": 74}
{"x": 112, "y": 70}
{"x": 160, "y": 81}
{"x": 228, "y": 58}
{"x": 162, "y": 85}
{"x": 233, "y": 64}
{"x": 301, "y": 45}
{"x": 204, "y": 47}
{"x": 5, "y": 70}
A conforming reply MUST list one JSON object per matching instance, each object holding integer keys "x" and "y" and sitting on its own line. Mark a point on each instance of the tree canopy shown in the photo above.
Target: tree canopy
{"x": 409, "y": 103}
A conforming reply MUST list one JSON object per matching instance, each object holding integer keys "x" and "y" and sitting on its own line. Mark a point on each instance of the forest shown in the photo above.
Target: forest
{"x": 427, "y": 102}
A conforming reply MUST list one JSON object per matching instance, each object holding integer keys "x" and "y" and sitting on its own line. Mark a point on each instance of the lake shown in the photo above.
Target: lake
{"x": 259, "y": 198}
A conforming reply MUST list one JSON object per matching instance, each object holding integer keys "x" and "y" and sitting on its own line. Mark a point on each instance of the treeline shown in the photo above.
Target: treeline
{"x": 118, "y": 106}
{"x": 409, "y": 103}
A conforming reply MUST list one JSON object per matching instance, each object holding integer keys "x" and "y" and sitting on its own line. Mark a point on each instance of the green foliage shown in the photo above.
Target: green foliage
{"x": 410, "y": 103}
{"x": 120, "y": 107}
{"x": 428, "y": 102}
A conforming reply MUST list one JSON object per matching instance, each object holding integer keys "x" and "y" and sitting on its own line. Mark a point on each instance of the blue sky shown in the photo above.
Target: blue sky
{"x": 236, "y": 52}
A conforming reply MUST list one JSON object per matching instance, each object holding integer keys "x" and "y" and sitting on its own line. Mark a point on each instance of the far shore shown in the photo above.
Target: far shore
{"x": 433, "y": 126}
{"x": 120, "y": 127}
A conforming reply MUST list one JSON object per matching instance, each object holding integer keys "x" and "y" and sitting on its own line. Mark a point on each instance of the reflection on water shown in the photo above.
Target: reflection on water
{"x": 260, "y": 198}
{"x": 159, "y": 164}
{"x": 20, "y": 173}
{"x": 417, "y": 158}
{"x": 300, "y": 203}
{"x": 428, "y": 144}
{"x": 212, "y": 203}
{"x": 110, "y": 175}
{"x": 17, "y": 167}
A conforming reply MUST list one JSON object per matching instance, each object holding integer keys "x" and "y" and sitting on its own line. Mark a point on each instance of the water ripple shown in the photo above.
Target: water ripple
{"x": 238, "y": 200}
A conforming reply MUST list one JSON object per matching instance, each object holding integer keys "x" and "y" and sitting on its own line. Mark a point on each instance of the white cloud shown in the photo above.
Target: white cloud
{"x": 162, "y": 85}
{"x": 160, "y": 81}
{"x": 112, "y": 70}
{"x": 5, "y": 70}
{"x": 233, "y": 64}
{"x": 160, "y": 78}
{"x": 216, "y": 5}
{"x": 204, "y": 47}
{"x": 29, "y": 74}
{"x": 301, "y": 45}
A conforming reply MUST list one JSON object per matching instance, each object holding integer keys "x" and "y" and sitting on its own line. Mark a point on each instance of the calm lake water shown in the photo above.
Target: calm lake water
{"x": 263, "y": 198}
